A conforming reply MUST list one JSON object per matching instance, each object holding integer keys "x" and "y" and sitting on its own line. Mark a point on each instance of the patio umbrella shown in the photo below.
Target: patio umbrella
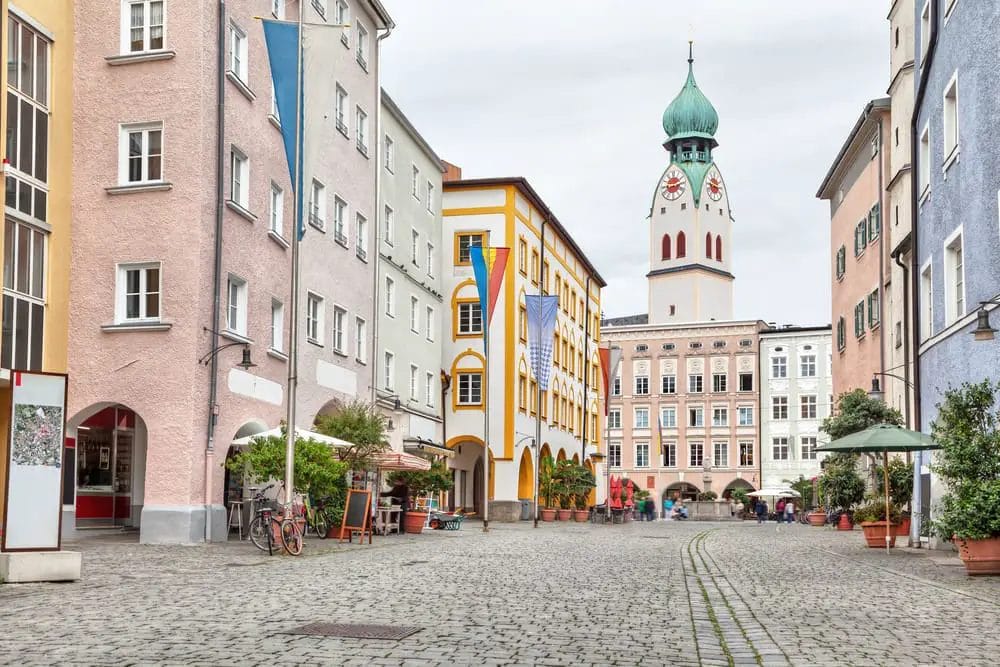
{"x": 400, "y": 461}
{"x": 300, "y": 433}
{"x": 615, "y": 501}
{"x": 776, "y": 493}
{"x": 882, "y": 438}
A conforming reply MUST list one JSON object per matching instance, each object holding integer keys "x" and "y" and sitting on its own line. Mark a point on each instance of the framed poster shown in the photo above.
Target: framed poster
{"x": 33, "y": 507}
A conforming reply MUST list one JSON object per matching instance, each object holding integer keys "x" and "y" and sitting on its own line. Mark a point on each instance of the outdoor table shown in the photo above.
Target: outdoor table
{"x": 387, "y": 520}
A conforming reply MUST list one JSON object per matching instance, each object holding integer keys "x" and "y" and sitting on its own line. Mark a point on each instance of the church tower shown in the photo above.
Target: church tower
{"x": 690, "y": 225}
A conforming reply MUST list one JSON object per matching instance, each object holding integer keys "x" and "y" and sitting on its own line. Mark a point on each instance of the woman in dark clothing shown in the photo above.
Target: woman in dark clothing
{"x": 760, "y": 508}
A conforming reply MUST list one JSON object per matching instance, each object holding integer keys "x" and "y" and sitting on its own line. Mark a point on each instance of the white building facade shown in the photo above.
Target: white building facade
{"x": 796, "y": 395}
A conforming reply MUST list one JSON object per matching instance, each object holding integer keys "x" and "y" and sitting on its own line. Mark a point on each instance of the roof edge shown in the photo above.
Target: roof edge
{"x": 879, "y": 104}
{"x": 398, "y": 114}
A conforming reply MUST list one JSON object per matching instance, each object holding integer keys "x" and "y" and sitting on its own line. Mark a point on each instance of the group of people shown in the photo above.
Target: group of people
{"x": 673, "y": 509}
{"x": 784, "y": 510}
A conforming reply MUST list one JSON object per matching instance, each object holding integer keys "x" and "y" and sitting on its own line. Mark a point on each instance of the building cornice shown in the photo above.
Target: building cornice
{"x": 907, "y": 68}
{"x": 851, "y": 146}
{"x": 401, "y": 118}
{"x": 691, "y": 267}
{"x": 685, "y": 328}
{"x": 905, "y": 169}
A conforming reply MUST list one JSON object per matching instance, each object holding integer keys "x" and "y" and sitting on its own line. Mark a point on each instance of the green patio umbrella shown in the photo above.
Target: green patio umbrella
{"x": 882, "y": 438}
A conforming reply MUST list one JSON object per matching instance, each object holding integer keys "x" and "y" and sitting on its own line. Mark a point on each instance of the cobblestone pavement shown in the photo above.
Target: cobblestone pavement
{"x": 565, "y": 594}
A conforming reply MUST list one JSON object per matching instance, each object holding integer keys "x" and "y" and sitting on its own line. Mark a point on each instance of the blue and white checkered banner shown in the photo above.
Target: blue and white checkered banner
{"x": 542, "y": 312}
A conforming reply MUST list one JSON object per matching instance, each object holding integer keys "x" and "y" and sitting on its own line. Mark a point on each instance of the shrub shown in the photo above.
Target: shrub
{"x": 708, "y": 495}
{"x": 317, "y": 471}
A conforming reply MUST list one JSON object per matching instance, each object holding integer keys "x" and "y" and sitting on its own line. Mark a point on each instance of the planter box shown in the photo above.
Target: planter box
{"x": 980, "y": 556}
{"x": 903, "y": 527}
{"x": 564, "y": 515}
{"x": 875, "y": 532}
{"x": 816, "y": 518}
{"x": 581, "y": 516}
{"x": 547, "y": 514}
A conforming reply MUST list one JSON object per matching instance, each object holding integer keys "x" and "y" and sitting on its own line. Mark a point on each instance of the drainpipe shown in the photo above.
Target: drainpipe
{"x": 881, "y": 243}
{"x": 926, "y": 62}
{"x": 896, "y": 256}
{"x": 377, "y": 250}
{"x": 213, "y": 383}
{"x": 586, "y": 367}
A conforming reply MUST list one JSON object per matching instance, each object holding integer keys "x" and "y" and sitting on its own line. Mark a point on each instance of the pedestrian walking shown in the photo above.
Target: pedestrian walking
{"x": 779, "y": 510}
{"x": 650, "y": 509}
{"x": 668, "y": 505}
{"x": 760, "y": 508}
{"x": 790, "y": 511}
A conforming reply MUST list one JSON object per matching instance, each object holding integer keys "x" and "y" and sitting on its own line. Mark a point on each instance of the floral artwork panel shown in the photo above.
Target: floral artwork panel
{"x": 37, "y": 439}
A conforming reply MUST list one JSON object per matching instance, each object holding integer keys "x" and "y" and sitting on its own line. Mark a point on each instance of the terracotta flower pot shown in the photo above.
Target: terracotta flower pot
{"x": 844, "y": 523}
{"x": 580, "y": 515}
{"x": 414, "y": 522}
{"x": 875, "y": 532}
{"x": 548, "y": 514}
{"x": 333, "y": 532}
{"x": 979, "y": 556}
{"x": 903, "y": 527}
{"x": 564, "y": 515}
{"x": 816, "y": 518}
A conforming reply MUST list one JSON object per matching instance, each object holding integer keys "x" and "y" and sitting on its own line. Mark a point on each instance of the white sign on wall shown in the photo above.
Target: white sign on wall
{"x": 33, "y": 507}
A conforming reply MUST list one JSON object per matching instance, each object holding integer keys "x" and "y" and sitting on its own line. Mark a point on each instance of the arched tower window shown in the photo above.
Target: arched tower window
{"x": 708, "y": 245}
{"x": 681, "y": 245}
{"x": 665, "y": 249}
{"x": 718, "y": 248}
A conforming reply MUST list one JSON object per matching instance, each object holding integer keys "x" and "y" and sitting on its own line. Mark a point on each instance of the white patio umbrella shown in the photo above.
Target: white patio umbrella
{"x": 299, "y": 433}
{"x": 776, "y": 493}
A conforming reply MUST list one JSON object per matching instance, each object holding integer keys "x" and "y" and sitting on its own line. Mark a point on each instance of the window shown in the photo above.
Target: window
{"x": 390, "y": 297}
{"x": 470, "y": 388}
{"x": 859, "y": 319}
{"x": 317, "y": 205}
{"x": 779, "y": 448}
{"x": 534, "y": 266}
{"x": 466, "y": 241}
{"x": 341, "y": 16}
{"x": 641, "y": 418}
{"x": 808, "y": 447}
{"x": 668, "y": 417}
{"x": 746, "y": 381}
{"x": 807, "y": 365}
{"x": 239, "y": 190}
{"x": 238, "y": 54}
{"x": 430, "y": 260}
{"x": 720, "y": 417}
{"x": 340, "y": 111}
{"x": 138, "y": 288}
{"x": 28, "y": 123}
{"x": 388, "y": 226}
{"x": 390, "y": 154}
{"x": 277, "y": 213}
{"x": 949, "y": 5}
{"x": 429, "y": 389}
{"x": 874, "y": 310}
{"x": 277, "y": 326}
{"x": 362, "y": 47}
{"x": 614, "y": 418}
{"x": 236, "y": 306}
{"x": 414, "y": 383}
{"x": 340, "y": 220}
{"x": 614, "y": 455}
{"x": 746, "y": 454}
{"x": 522, "y": 256}
{"x": 718, "y": 344}
{"x": 668, "y": 384}
{"x": 924, "y": 168}
{"x": 361, "y": 236}
{"x": 695, "y": 384}
{"x": 641, "y": 348}
{"x": 430, "y": 197}
{"x": 745, "y": 413}
{"x": 641, "y": 385}
{"x": 954, "y": 281}
{"x": 874, "y": 223}
{"x": 414, "y": 315}
{"x": 719, "y": 381}
{"x": 681, "y": 245}
{"x": 470, "y": 318}
{"x": 141, "y": 154}
{"x": 925, "y": 30}
{"x": 669, "y": 454}
{"x": 616, "y": 386}
{"x": 360, "y": 340}
{"x": 696, "y": 417}
{"x": 274, "y": 106}
{"x": 642, "y": 455}
{"x": 860, "y": 237}
{"x": 415, "y": 183}
{"x": 696, "y": 454}
{"x": 414, "y": 245}
{"x": 429, "y": 324}
{"x": 389, "y": 371}
{"x": 926, "y": 302}
{"x": 779, "y": 367}
{"x": 665, "y": 247}
{"x": 841, "y": 334}
{"x": 144, "y": 30}
{"x": 807, "y": 406}
{"x": 314, "y": 318}
{"x": 340, "y": 330}
{"x": 779, "y": 407}
{"x": 720, "y": 454}
{"x": 362, "y": 131}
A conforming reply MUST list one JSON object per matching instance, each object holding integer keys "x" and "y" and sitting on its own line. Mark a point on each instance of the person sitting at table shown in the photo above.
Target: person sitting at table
{"x": 400, "y": 494}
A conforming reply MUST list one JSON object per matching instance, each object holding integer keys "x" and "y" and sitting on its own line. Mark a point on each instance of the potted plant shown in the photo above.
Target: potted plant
{"x": 708, "y": 496}
{"x": 842, "y": 486}
{"x": 968, "y": 430}
{"x": 420, "y": 483}
{"x": 900, "y": 489}
{"x": 871, "y": 516}
{"x": 546, "y": 487}
{"x": 565, "y": 479}
{"x": 584, "y": 483}
{"x": 565, "y": 512}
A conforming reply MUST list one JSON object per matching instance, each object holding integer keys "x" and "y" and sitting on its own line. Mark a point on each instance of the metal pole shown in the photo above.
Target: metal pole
{"x": 885, "y": 480}
{"x": 485, "y": 392}
{"x": 538, "y": 382}
{"x": 293, "y": 348}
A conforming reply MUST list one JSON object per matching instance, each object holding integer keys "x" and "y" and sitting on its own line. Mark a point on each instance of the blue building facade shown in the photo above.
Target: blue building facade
{"x": 956, "y": 177}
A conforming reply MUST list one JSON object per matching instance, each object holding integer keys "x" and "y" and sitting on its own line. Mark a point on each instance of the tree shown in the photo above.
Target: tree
{"x": 360, "y": 424}
{"x": 424, "y": 482}
{"x": 317, "y": 472}
{"x": 856, "y": 411}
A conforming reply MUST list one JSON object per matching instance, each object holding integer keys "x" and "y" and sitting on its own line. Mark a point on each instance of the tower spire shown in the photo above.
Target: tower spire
{"x": 690, "y": 52}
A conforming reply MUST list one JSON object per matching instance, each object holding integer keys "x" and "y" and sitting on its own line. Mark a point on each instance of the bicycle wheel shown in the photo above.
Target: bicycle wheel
{"x": 321, "y": 524}
{"x": 291, "y": 537}
{"x": 258, "y": 532}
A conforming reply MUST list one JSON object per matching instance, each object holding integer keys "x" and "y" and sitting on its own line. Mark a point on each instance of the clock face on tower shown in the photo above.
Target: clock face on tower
{"x": 673, "y": 185}
{"x": 714, "y": 187}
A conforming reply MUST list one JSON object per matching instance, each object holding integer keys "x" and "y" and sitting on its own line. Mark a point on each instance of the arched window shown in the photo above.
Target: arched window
{"x": 665, "y": 250}
{"x": 681, "y": 245}
{"x": 718, "y": 248}
{"x": 708, "y": 245}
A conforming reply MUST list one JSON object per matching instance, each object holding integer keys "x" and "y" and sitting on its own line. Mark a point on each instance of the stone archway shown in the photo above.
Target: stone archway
{"x": 685, "y": 490}
{"x": 737, "y": 484}
{"x": 526, "y": 476}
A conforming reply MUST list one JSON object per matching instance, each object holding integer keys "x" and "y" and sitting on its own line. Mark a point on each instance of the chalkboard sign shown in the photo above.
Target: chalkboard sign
{"x": 357, "y": 515}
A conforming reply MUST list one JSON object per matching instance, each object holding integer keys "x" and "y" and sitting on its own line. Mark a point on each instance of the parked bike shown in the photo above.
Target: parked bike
{"x": 265, "y": 526}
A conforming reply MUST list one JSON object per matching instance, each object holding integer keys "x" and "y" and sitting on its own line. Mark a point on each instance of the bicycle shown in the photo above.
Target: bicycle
{"x": 316, "y": 519}
{"x": 262, "y": 529}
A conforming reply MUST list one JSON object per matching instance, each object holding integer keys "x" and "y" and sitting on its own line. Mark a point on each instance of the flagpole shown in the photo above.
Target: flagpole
{"x": 486, "y": 419}
{"x": 293, "y": 347}
{"x": 538, "y": 400}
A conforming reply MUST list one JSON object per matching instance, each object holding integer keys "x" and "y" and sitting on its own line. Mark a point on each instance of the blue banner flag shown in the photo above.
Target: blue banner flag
{"x": 542, "y": 312}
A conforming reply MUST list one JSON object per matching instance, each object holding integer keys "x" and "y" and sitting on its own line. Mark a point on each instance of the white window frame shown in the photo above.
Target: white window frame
{"x": 390, "y": 297}
{"x": 669, "y": 454}
{"x": 668, "y": 416}
{"x": 361, "y": 340}
{"x": 808, "y": 409}
{"x": 670, "y": 380}
{"x": 720, "y": 417}
{"x": 430, "y": 260}
{"x": 926, "y": 19}
{"x": 950, "y": 121}
{"x": 361, "y": 236}
{"x": 641, "y": 385}
{"x": 362, "y": 46}
{"x": 474, "y": 311}
{"x": 615, "y": 418}
{"x": 414, "y": 314}
{"x": 779, "y": 367}
{"x": 429, "y": 389}
{"x": 239, "y": 178}
{"x": 126, "y": 27}
{"x": 429, "y": 323}
{"x": 807, "y": 448}
{"x": 954, "y": 276}
{"x": 236, "y": 314}
{"x": 315, "y": 317}
{"x": 926, "y": 300}
{"x": 696, "y": 383}
{"x": 430, "y": 197}
{"x": 277, "y": 326}
{"x": 924, "y": 166}
{"x": 716, "y": 459}
{"x": 698, "y": 447}
{"x": 239, "y": 54}
{"x": 638, "y": 423}
{"x": 780, "y": 445}
{"x": 338, "y": 330}
{"x": 414, "y": 246}
{"x": 361, "y": 121}
{"x": 642, "y": 455}
{"x": 317, "y": 205}
{"x": 779, "y": 405}
{"x": 415, "y": 183}
{"x": 278, "y": 9}
{"x": 389, "y": 154}
{"x": 341, "y": 212}
{"x": 414, "y": 382}
{"x": 466, "y": 395}
{"x": 121, "y": 300}
{"x": 742, "y": 411}
{"x": 741, "y": 446}
{"x": 807, "y": 366}
{"x": 696, "y": 416}
{"x": 342, "y": 102}
{"x": 614, "y": 454}
{"x": 123, "y": 153}
{"x": 388, "y": 225}
{"x": 276, "y": 217}
{"x": 389, "y": 371}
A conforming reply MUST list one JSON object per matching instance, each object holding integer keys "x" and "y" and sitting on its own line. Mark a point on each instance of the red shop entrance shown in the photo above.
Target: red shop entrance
{"x": 110, "y": 463}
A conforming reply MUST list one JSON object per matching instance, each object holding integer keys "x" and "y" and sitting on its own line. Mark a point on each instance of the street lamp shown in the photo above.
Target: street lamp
{"x": 876, "y": 393}
{"x": 983, "y": 330}
{"x": 245, "y": 363}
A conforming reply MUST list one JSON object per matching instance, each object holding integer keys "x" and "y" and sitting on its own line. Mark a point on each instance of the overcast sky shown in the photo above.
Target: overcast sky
{"x": 570, "y": 94}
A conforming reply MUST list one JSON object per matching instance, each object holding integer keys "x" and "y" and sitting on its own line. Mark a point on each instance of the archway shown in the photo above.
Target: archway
{"x": 684, "y": 490}
{"x": 561, "y": 456}
{"x": 737, "y": 484}
{"x": 546, "y": 451}
{"x": 526, "y": 476}
{"x": 576, "y": 459}
{"x": 233, "y": 484}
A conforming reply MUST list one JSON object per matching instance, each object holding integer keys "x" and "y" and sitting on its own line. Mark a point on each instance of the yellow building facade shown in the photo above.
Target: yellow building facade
{"x": 543, "y": 259}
